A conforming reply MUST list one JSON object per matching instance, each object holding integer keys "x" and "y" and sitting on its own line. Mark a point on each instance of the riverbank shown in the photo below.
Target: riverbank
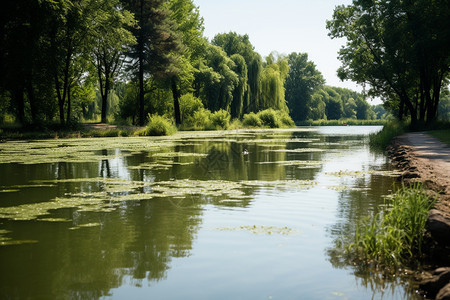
{"x": 425, "y": 159}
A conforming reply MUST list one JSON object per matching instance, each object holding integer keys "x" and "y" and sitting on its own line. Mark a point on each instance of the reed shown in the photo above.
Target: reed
{"x": 394, "y": 236}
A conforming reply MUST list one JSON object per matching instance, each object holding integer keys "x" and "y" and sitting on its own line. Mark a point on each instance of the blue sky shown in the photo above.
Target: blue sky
{"x": 284, "y": 26}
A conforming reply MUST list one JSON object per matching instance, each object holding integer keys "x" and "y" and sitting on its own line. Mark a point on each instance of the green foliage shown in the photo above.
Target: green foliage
{"x": 383, "y": 138}
{"x": 220, "y": 119}
{"x": 399, "y": 49}
{"x": 216, "y": 79}
{"x": 285, "y": 119}
{"x": 233, "y": 43}
{"x": 251, "y": 120}
{"x": 394, "y": 236}
{"x": 202, "y": 120}
{"x": 303, "y": 80}
{"x": 158, "y": 126}
{"x": 269, "y": 118}
{"x": 273, "y": 78}
{"x": 189, "y": 104}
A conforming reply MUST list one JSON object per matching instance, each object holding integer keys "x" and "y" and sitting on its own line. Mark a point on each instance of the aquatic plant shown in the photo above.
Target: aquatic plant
{"x": 395, "y": 235}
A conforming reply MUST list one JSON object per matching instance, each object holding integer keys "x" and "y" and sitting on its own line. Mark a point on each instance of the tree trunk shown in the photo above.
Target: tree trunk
{"x": 60, "y": 100}
{"x": 141, "y": 68}
{"x": 401, "y": 109}
{"x": 19, "y": 99}
{"x": 412, "y": 110}
{"x": 176, "y": 102}
{"x": 69, "y": 108}
{"x": 32, "y": 100}
{"x": 105, "y": 97}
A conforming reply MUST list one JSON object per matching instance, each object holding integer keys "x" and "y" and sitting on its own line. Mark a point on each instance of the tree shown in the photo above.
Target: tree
{"x": 239, "y": 92}
{"x": 216, "y": 79}
{"x": 155, "y": 53}
{"x": 273, "y": 77}
{"x": 398, "y": 48}
{"x": 303, "y": 80}
{"x": 190, "y": 27}
{"x": 233, "y": 43}
{"x": 110, "y": 39}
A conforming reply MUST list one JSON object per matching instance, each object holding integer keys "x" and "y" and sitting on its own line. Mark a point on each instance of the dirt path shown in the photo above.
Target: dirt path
{"x": 425, "y": 159}
{"x": 429, "y": 160}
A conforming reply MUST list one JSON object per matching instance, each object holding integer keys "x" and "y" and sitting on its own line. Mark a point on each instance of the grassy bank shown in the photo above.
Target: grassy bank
{"x": 157, "y": 126}
{"x": 442, "y": 135}
{"x": 342, "y": 122}
{"x": 394, "y": 237}
{"x": 383, "y": 138}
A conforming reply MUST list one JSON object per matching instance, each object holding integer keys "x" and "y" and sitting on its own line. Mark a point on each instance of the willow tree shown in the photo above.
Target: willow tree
{"x": 273, "y": 78}
{"x": 240, "y": 91}
{"x": 233, "y": 43}
{"x": 216, "y": 80}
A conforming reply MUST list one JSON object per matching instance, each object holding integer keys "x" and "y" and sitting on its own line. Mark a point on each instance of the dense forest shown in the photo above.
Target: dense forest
{"x": 125, "y": 61}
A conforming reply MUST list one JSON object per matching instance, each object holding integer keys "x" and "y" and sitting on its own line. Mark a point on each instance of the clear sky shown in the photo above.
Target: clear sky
{"x": 284, "y": 26}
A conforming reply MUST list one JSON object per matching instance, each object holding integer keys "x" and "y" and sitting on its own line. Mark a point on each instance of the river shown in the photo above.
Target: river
{"x": 247, "y": 214}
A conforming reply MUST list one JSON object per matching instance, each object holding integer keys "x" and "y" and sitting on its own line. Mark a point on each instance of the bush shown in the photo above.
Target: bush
{"x": 158, "y": 126}
{"x": 251, "y": 120}
{"x": 201, "y": 120}
{"x": 269, "y": 118}
{"x": 189, "y": 105}
{"x": 221, "y": 119}
{"x": 286, "y": 120}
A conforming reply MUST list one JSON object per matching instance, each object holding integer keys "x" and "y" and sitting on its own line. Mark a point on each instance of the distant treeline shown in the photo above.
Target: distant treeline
{"x": 126, "y": 60}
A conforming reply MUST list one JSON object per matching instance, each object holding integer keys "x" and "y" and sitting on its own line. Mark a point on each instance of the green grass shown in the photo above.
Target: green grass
{"x": 382, "y": 139}
{"x": 442, "y": 135}
{"x": 394, "y": 237}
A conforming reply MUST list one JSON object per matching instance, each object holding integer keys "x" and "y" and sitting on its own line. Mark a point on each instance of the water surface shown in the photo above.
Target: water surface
{"x": 249, "y": 214}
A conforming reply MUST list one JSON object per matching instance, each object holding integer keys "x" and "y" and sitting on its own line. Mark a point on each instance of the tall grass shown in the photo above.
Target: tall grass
{"x": 382, "y": 139}
{"x": 394, "y": 236}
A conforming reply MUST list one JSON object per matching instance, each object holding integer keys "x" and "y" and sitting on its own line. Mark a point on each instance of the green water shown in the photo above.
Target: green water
{"x": 209, "y": 215}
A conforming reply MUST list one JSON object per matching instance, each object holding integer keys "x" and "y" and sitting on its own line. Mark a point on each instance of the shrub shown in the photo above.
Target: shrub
{"x": 159, "y": 126}
{"x": 189, "y": 105}
{"x": 251, "y": 120}
{"x": 221, "y": 119}
{"x": 286, "y": 120}
{"x": 269, "y": 118}
{"x": 201, "y": 119}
